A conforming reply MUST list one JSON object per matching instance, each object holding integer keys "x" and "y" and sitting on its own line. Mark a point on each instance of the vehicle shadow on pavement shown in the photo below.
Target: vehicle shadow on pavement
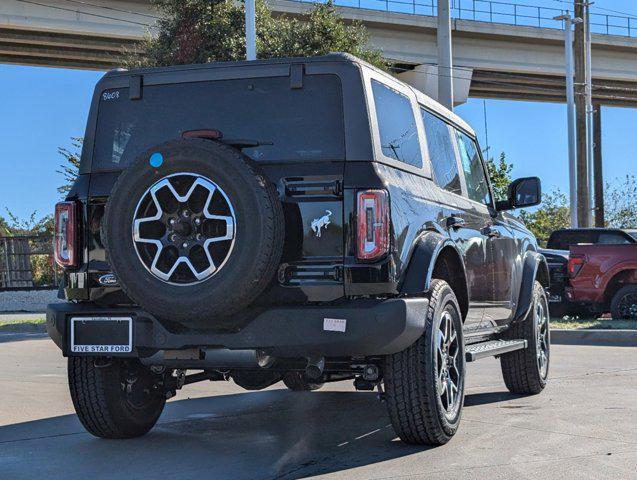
{"x": 275, "y": 434}
{"x": 485, "y": 398}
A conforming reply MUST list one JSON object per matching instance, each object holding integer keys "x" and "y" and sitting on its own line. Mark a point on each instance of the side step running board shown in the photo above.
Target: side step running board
{"x": 492, "y": 348}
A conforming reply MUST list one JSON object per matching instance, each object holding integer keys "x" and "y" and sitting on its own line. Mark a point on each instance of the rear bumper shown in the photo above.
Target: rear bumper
{"x": 372, "y": 327}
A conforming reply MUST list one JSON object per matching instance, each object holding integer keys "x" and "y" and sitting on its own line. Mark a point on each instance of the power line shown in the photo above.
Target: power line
{"x": 55, "y": 7}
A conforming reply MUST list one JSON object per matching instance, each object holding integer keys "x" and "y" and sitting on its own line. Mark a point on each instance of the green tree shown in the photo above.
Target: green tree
{"x": 500, "y": 175}
{"x": 71, "y": 166}
{"x": 4, "y": 227}
{"x": 620, "y": 203}
{"x": 552, "y": 214}
{"x": 201, "y": 31}
{"x": 32, "y": 225}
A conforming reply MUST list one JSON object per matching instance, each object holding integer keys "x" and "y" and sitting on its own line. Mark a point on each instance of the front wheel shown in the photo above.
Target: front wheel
{"x": 526, "y": 371}
{"x": 425, "y": 382}
{"x": 114, "y": 398}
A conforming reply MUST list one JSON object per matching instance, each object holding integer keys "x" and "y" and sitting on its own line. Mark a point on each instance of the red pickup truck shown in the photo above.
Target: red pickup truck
{"x": 603, "y": 278}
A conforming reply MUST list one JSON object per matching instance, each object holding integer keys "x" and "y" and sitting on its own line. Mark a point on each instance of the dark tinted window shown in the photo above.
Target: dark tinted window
{"x": 477, "y": 186}
{"x": 396, "y": 125}
{"x": 613, "y": 238}
{"x": 304, "y": 123}
{"x": 441, "y": 152}
{"x": 563, "y": 240}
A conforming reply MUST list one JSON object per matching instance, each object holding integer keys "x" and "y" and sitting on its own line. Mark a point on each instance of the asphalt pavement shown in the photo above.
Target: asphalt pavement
{"x": 583, "y": 426}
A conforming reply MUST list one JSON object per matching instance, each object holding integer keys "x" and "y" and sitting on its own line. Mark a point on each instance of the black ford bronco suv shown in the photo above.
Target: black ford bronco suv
{"x": 302, "y": 220}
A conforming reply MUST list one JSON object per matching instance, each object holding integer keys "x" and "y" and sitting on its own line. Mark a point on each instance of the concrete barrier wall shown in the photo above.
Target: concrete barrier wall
{"x": 27, "y": 300}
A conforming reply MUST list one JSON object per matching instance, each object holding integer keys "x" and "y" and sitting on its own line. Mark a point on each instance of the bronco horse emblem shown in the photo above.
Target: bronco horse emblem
{"x": 321, "y": 222}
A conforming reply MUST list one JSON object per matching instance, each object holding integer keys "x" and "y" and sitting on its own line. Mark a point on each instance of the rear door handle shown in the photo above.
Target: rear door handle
{"x": 455, "y": 222}
{"x": 491, "y": 232}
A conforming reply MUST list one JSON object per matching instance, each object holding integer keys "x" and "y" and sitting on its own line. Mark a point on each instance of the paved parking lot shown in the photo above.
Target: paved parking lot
{"x": 583, "y": 426}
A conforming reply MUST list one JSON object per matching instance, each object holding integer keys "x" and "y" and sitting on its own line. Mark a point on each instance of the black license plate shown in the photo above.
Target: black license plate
{"x": 101, "y": 334}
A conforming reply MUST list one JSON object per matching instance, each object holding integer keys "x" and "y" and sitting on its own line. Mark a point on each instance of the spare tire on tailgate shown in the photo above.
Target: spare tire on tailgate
{"x": 193, "y": 231}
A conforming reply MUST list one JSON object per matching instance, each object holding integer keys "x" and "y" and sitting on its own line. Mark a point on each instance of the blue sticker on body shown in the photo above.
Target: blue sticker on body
{"x": 156, "y": 159}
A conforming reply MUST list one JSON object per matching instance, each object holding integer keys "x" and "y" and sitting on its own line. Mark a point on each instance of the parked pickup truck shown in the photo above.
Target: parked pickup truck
{"x": 557, "y": 254}
{"x": 603, "y": 278}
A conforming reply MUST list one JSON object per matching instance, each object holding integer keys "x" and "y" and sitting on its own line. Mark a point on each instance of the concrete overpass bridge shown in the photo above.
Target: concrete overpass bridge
{"x": 500, "y": 50}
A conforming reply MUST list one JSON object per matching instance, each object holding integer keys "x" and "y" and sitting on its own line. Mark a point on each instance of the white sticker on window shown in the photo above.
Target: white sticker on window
{"x": 334, "y": 324}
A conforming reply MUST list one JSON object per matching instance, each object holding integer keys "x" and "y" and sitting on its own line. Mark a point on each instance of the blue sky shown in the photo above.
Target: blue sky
{"x": 42, "y": 108}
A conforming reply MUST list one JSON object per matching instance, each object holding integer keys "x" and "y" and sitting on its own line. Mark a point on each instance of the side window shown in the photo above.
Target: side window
{"x": 396, "y": 125}
{"x": 612, "y": 238}
{"x": 441, "y": 152}
{"x": 477, "y": 186}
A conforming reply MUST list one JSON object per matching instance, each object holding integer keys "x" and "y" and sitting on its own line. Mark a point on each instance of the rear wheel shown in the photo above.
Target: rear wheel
{"x": 526, "y": 371}
{"x": 114, "y": 398}
{"x": 298, "y": 382}
{"x": 425, "y": 382}
{"x": 623, "y": 306}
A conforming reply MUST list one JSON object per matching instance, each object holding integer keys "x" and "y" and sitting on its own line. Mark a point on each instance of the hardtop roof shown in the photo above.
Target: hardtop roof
{"x": 340, "y": 57}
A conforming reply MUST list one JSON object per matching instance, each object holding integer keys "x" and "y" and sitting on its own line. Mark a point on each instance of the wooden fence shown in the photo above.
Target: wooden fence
{"x": 26, "y": 261}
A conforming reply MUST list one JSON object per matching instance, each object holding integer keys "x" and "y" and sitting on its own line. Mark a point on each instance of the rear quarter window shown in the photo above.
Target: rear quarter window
{"x": 563, "y": 240}
{"x": 396, "y": 125}
{"x": 293, "y": 124}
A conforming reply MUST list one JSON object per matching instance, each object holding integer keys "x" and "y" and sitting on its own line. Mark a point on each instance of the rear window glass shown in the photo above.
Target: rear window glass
{"x": 294, "y": 124}
{"x": 563, "y": 240}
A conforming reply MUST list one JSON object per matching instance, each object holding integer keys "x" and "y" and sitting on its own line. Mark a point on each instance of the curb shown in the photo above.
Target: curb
{"x": 605, "y": 338}
{"x": 20, "y": 327}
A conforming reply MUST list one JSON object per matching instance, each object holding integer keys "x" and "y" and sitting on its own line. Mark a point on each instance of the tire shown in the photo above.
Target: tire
{"x": 526, "y": 371}
{"x": 417, "y": 410}
{"x": 103, "y": 405}
{"x": 248, "y": 255}
{"x": 559, "y": 310}
{"x": 297, "y": 382}
{"x": 623, "y": 305}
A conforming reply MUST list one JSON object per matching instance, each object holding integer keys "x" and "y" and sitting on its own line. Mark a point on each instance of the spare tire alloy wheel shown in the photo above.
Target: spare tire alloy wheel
{"x": 195, "y": 237}
{"x": 172, "y": 230}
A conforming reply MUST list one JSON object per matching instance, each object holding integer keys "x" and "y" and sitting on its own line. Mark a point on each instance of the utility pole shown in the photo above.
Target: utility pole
{"x": 251, "y": 30}
{"x": 581, "y": 129}
{"x": 597, "y": 162}
{"x": 570, "y": 113}
{"x": 589, "y": 113}
{"x": 445, "y": 57}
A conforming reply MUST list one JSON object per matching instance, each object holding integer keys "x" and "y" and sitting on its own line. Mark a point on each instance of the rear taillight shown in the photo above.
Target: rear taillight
{"x": 372, "y": 224}
{"x": 65, "y": 242}
{"x": 575, "y": 263}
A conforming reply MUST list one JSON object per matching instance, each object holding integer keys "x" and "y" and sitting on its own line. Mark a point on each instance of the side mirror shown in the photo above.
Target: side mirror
{"x": 523, "y": 192}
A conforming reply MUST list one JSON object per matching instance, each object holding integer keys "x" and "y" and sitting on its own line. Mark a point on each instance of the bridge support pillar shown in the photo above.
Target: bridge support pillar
{"x": 425, "y": 78}
{"x": 445, "y": 56}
